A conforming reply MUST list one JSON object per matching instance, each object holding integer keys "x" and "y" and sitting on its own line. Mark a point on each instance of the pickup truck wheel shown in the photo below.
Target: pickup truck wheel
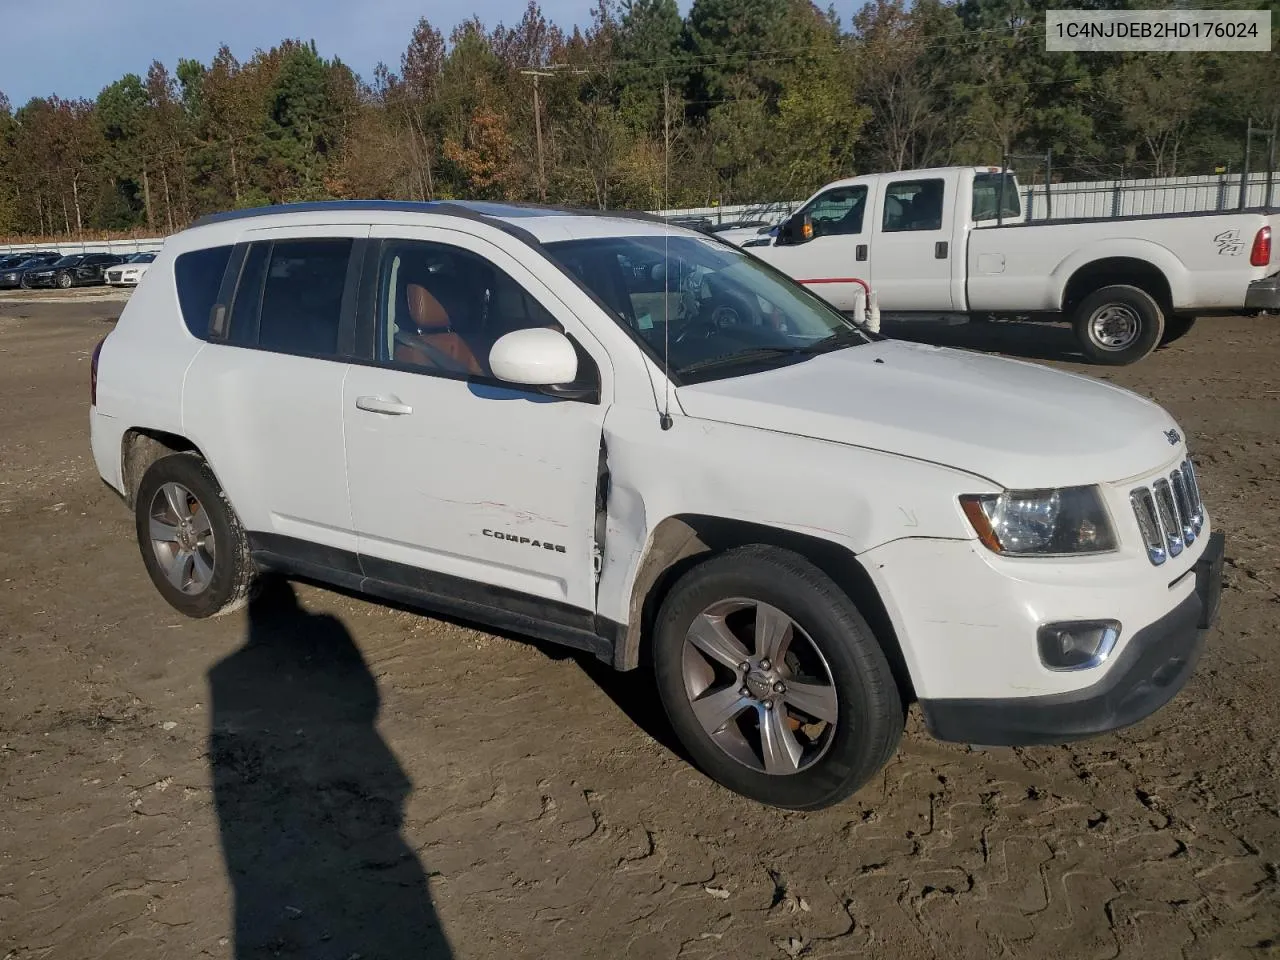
{"x": 1118, "y": 325}
{"x": 773, "y": 681}
{"x": 192, "y": 543}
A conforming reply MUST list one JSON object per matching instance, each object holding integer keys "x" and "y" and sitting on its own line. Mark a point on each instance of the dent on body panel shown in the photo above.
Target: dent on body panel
{"x": 739, "y": 473}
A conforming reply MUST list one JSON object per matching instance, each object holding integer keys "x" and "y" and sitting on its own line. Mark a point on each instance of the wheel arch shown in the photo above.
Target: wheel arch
{"x": 1109, "y": 271}
{"x": 140, "y": 447}
{"x": 681, "y": 542}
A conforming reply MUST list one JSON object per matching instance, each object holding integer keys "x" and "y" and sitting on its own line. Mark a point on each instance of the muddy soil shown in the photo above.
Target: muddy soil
{"x": 412, "y": 788}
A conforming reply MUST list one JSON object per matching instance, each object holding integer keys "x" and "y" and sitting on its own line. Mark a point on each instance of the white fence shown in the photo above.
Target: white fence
{"x": 1100, "y": 199}
{"x": 122, "y": 247}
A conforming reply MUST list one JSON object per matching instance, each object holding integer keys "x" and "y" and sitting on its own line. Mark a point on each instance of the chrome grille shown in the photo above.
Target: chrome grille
{"x": 1170, "y": 513}
{"x": 1167, "y": 510}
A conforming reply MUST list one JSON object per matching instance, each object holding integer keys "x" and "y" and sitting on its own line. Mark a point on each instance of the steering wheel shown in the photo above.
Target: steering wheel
{"x": 707, "y": 325}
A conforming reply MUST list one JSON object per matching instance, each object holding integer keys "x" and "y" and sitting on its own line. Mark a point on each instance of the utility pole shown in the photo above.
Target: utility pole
{"x": 537, "y": 126}
{"x": 666, "y": 143}
{"x": 550, "y": 71}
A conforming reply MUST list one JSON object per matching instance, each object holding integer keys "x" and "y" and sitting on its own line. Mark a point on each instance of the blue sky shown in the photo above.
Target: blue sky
{"x": 74, "y": 48}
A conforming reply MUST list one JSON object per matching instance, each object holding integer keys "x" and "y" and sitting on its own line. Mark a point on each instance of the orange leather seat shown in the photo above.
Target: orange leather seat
{"x": 434, "y": 344}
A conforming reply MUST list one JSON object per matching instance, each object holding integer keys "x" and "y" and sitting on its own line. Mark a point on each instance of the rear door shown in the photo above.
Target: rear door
{"x": 264, "y": 397}
{"x": 912, "y": 243}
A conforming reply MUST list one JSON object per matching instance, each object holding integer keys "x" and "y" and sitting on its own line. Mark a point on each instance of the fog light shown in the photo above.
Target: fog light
{"x": 1077, "y": 644}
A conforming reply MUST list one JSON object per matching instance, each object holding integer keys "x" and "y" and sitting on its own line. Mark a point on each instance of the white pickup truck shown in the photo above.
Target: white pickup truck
{"x": 954, "y": 240}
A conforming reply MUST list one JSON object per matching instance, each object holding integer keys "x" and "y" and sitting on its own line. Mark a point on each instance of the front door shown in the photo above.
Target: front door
{"x": 453, "y": 473}
{"x": 834, "y": 263}
{"x": 912, "y": 244}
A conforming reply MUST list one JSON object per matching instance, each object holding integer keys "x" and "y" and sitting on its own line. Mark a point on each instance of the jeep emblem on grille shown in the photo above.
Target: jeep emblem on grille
{"x": 1172, "y": 436}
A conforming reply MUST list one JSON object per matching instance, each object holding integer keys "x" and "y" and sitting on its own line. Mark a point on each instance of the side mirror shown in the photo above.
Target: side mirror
{"x": 537, "y": 357}
{"x": 797, "y": 228}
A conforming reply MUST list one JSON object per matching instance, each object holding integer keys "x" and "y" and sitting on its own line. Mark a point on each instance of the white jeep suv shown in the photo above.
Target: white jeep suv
{"x": 646, "y": 444}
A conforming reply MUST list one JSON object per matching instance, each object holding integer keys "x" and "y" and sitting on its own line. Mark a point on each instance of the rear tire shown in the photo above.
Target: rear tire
{"x": 191, "y": 540}
{"x": 1118, "y": 325}
{"x": 811, "y": 728}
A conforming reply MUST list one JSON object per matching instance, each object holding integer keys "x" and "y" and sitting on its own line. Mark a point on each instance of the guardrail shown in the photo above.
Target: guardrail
{"x": 147, "y": 245}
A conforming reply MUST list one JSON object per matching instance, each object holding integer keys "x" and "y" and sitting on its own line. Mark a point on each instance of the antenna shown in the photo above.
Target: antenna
{"x": 665, "y": 420}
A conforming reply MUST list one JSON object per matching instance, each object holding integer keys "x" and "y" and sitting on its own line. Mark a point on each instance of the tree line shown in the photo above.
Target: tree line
{"x": 739, "y": 101}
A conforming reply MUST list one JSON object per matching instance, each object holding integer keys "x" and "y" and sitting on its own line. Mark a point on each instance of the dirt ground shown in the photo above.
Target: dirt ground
{"x": 412, "y": 788}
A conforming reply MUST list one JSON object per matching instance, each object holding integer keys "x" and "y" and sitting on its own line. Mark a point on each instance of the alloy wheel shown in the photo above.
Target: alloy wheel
{"x": 759, "y": 686}
{"x": 182, "y": 538}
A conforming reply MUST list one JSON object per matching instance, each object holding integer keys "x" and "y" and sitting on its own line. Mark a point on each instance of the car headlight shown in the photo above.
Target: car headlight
{"x": 1041, "y": 523}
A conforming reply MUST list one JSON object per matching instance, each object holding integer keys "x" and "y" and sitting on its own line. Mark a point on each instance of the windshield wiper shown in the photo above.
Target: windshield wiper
{"x": 845, "y": 336}
{"x": 756, "y": 353}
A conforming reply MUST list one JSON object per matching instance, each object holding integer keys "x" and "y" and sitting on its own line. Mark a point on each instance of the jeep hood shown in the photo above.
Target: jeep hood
{"x": 1016, "y": 423}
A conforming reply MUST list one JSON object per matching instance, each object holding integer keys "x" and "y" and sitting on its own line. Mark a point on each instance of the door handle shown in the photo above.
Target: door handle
{"x": 940, "y": 250}
{"x": 860, "y": 252}
{"x": 391, "y": 407}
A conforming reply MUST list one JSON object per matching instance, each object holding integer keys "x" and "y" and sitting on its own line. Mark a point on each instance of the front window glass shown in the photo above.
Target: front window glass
{"x": 441, "y": 308}
{"x": 838, "y": 211}
{"x": 718, "y": 311}
{"x": 70, "y": 261}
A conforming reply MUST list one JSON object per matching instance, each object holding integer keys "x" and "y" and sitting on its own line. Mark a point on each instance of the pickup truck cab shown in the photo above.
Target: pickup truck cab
{"x": 955, "y": 241}
{"x": 643, "y": 443}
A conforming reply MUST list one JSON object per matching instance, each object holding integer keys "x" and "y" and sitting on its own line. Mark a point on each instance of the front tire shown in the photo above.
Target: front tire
{"x": 192, "y": 542}
{"x": 773, "y": 681}
{"x": 1118, "y": 325}
{"x": 64, "y": 281}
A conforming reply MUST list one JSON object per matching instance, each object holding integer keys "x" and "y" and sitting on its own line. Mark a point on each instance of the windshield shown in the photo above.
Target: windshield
{"x": 718, "y": 311}
{"x": 141, "y": 258}
{"x": 70, "y": 261}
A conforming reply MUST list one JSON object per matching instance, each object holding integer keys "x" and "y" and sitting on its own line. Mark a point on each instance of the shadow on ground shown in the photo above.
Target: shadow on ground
{"x": 634, "y": 692}
{"x": 1017, "y": 338}
{"x": 310, "y": 799}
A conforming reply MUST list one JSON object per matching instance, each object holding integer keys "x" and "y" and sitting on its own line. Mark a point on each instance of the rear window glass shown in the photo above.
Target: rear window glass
{"x": 302, "y": 297}
{"x": 198, "y": 275}
{"x": 987, "y": 198}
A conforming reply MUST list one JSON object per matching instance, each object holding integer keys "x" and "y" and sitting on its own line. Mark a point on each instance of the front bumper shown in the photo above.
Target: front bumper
{"x": 1154, "y": 665}
{"x": 1263, "y": 294}
{"x": 47, "y": 281}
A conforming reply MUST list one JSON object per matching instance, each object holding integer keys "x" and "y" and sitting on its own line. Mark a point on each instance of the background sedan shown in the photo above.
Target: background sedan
{"x": 77, "y": 270}
{"x": 13, "y": 268}
{"x": 130, "y": 272}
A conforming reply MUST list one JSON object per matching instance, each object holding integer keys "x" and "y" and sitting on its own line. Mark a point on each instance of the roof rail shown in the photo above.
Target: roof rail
{"x": 485, "y": 210}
